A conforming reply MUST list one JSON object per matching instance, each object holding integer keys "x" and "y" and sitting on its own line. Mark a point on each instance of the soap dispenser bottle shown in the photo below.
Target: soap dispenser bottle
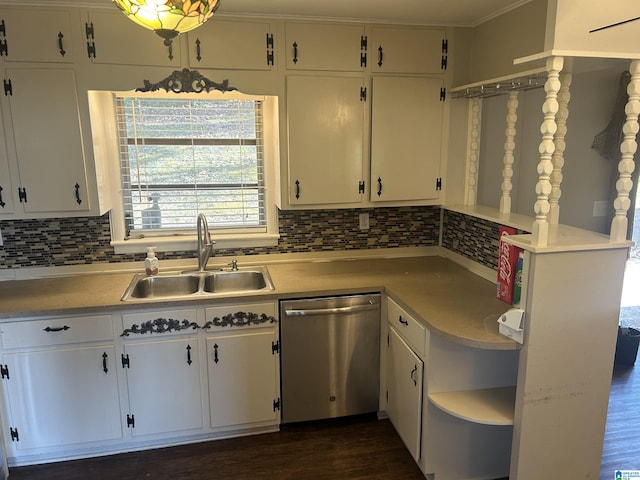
{"x": 151, "y": 262}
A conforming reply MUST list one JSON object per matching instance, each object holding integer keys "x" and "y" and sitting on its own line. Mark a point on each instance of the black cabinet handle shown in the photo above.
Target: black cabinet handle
{"x": 2, "y": 204}
{"x": 379, "y": 186}
{"x": 297, "y": 189}
{"x": 215, "y": 353}
{"x": 104, "y": 362}
{"x": 198, "y": 56}
{"x": 22, "y": 194}
{"x": 56, "y": 329}
{"x": 295, "y": 52}
{"x": 189, "y": 362}
{"x": 380, "y": 56}
{"x": 60, "y": 46}
{"x": 77, "y": 187}
{"x": 404, "y": 322}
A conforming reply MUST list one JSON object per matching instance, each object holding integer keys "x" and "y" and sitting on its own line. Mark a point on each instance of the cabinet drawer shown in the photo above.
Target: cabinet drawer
{"x": 57, "y": 331}
{"x": 168, "y": 322}
{"x": 412, "y": 331}
{"x": 246, "y": 315}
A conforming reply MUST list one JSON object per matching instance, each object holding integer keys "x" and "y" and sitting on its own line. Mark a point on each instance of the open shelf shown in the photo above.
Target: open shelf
{"x": 489, "y": 406}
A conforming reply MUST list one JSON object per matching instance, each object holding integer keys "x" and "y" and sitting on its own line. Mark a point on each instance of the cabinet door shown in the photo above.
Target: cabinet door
{"x": 325, "y": 120}
{"x": 243, "y": 382}
{"x": 404, "y": 391}
{"x": 114, "y": 39}
{"x": 407, "y": 50}
{"x": 48, "y": 140}
{"x": 37, "y": 35}
{"x": 230, "y": 44}
{"x": 314, "y": 46}
{"x": 63, "y": 396}
{"x": 163, "y": 378}
{"x": 6, "y": 197}
{"x": 406, "y": 135}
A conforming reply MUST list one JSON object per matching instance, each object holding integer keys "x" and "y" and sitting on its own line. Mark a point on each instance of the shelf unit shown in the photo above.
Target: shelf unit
{"x": 488, "y": 406}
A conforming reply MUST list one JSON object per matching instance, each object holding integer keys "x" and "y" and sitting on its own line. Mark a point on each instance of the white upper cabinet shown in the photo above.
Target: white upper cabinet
{"x": 111, "y": 38}
{"x": 406, "y": 138}
{"x": 325, "y": 138}
{"x": 407, "y": 50}
{"x": 6, "y": 198}
{"x": 234, "y": 45}
{"x": 49, "y": 149}
{"x": 36, "y": 35}
{"x": 315, "y": 46}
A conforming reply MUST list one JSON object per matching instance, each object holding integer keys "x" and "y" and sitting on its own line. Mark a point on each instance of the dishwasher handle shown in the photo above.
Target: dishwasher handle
{"x": 330, "y": 311}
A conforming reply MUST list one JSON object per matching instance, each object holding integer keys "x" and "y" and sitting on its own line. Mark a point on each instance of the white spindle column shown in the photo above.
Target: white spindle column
{"x": 626, "y": 165}
{"x": 473, "y": 151}
{"x": 509, "y": 147}
{"x": 540, "y": 230}
{"x": 564, "y": 95}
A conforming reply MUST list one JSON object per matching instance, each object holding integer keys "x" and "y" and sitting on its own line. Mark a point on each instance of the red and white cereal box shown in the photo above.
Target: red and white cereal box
{"x": 507, "y": 262}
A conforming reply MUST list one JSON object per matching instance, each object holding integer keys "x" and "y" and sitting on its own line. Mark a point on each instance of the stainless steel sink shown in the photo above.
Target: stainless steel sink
{"x": 198, "y": 284}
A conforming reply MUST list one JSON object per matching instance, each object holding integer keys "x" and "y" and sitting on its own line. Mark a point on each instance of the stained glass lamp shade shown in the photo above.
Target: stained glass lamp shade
{"x": 168, "y": 18}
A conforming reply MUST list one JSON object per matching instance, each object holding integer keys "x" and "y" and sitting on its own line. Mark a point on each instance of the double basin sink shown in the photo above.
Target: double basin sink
{"x": 210, "y": 283}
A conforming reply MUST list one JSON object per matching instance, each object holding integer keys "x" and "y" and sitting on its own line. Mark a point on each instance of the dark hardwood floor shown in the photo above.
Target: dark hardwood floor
{"x": 356, "y": 448}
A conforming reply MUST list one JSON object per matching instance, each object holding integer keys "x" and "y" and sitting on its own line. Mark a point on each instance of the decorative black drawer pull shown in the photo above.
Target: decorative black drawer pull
{"x": 77, "y": 187}
{"x": 404, "y": 322}
{"x": 60, "y": 46}
{"x": 295, "y": 52}
{"x": 380, "y": 56}
{"x": 189, "y": 362}
{"x": 104, "y": 362}
{"x": 297, "y": 189}
{"x": 198, "y": 56}
{"x": 215, "y": 353}
{"x": 56, "y": 329}
{"x": 379, "y": 186}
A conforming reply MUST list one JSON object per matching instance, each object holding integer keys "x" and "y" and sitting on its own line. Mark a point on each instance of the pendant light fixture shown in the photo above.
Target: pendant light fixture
{"x": 168, "y": 18}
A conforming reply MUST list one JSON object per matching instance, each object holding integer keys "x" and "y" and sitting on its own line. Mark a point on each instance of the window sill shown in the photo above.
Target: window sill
{"x": 189, "y": 242}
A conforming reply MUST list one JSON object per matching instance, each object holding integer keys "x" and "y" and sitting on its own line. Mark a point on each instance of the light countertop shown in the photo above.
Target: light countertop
{"x": 450, "y": 300}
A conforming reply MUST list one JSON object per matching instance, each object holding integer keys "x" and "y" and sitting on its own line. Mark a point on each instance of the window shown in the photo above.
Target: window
{"x": 183, "y": 155}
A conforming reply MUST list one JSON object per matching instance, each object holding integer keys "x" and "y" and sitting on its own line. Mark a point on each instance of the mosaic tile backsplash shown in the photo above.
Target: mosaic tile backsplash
{"x": 471, "y": 237}
{"x": 78, "y": 241}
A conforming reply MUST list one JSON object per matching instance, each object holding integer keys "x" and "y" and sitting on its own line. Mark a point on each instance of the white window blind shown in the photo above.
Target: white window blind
{"x": 181, "y": 157}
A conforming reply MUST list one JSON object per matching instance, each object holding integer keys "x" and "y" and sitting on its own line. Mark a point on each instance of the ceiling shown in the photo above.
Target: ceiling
{"x": 414, "y": 12}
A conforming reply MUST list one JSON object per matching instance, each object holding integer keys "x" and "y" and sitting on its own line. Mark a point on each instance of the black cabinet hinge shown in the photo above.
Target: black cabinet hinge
{"x": 125, "y": 361}
{"x": 445, "y": 45}
{"x": 439, "y": 183}
{"x": 363, "y": 43}
{"x": 443, "y": 63}
{"x": 8, "y": 87}
{"x": 363, "y": 59}
{"x": 275, "y": 347}
{"x": 131, "y": 421}
{"x": 91, "y": 49}
{"x": 15, "y": 437}
{"x": 4, "y": 371}
{"x": 276, "y": 404}
{"x": 270, "y": 54}
{"x": 361, "y": 186}
{"x": 22, "y": 194}
{"x": 363, "y": 94}
{"x": 88, "y": 31}
{"x": 4, "y": 49}
{"x": 443, "y": 94}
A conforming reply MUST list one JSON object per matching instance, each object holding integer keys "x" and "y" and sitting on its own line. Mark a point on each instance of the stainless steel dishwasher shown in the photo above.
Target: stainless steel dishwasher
{"x": 330, "y": 357}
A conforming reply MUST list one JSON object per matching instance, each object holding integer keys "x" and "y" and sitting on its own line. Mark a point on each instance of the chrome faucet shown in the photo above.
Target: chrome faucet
{"x": 205, "y": 245}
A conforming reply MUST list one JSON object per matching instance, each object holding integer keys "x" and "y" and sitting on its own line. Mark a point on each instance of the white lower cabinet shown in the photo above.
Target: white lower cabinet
{"x": 404, "y": 391}
{"x": 242, "y": 370}
{"x": 60, "y": 388}
{"x": 163, "y": 381}
{"x": 451, "y": 404}
{"x": 78, "y": 386}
